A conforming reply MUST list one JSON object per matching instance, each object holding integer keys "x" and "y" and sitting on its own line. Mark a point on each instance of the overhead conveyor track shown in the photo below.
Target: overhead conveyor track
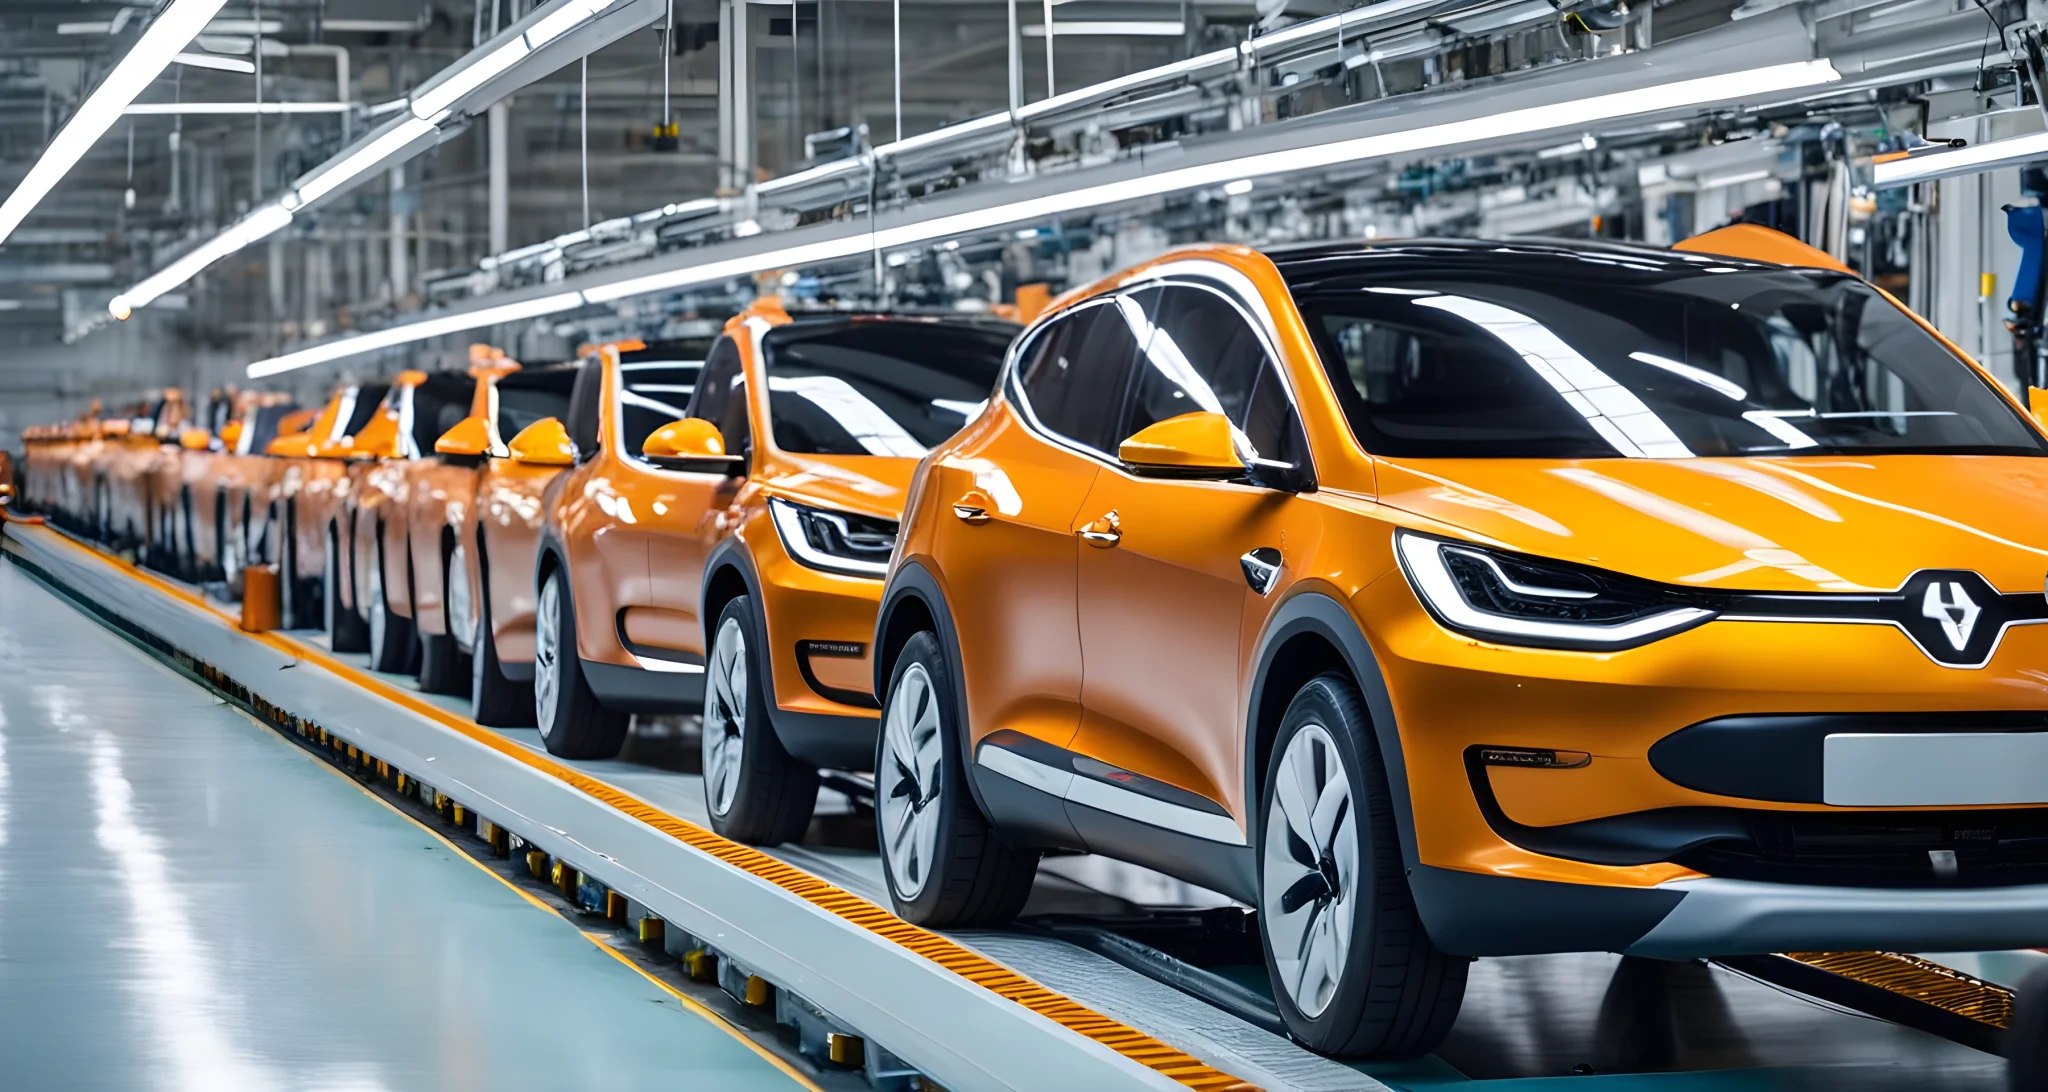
{"x": 1154, "y": 998}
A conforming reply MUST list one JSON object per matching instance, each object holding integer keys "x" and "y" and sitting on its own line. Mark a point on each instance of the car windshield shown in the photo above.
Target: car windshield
{"x": 879, "y": 386}
{"x": 1600, "y": 354}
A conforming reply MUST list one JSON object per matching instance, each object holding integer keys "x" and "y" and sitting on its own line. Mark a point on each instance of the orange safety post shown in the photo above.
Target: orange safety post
{"x": 261, "y": 609}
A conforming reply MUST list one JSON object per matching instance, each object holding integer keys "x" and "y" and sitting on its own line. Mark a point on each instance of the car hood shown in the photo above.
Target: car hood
{"x": 872, "y": 485}
{"x": 1764, "y": 524}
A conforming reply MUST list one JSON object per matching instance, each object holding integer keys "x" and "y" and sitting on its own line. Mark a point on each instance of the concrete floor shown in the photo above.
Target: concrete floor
{"x": 189, "y": 901}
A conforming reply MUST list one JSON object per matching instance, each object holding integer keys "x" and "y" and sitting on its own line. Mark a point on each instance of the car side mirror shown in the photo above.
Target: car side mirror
{"x": 691, "y": 444}
{"x": 1192, "y": 445}
{"x": 469, "y": 437}
{"x": 195, "y": 439}
{"x": 543, "y": 443}
{"x": 231, "y": 435}
{"x": 2037, "y": 404}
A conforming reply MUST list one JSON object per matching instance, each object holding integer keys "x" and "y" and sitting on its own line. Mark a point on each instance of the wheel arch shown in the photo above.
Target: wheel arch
{"x": 914, "y": 601}
{"x": 1310, "y": 633}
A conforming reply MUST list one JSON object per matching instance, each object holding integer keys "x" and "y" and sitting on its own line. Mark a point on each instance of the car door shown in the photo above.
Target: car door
{"x": 1168, "y": 606}
{"x": 606, "y": 554}
{"x": 1008, "y": 548}
{"x": 680, "y": 506}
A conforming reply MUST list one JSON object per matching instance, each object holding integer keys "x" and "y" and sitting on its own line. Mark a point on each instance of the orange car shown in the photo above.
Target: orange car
{"x": 1448, "y": 599}
{"x": 477, "y": 509}
{"x": 758, "y": 528}
{"x": 299, "y": 517}
{"x": 205, "y": 488}
{"x": 370, "y": 574}
{"x": 123, "y": 472}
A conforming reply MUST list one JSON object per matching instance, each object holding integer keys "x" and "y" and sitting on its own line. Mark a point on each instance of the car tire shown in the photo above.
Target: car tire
{"x": 345, "y": 631}
{"x": 444, "y": 667}
{"x": 573, "y": 724}
{"x": 1353, "y": 972}
{"x": 945, "y": 865}
{"x": 390, "y": 634}
{"x": 495, "y": 699}
{"x": 755, "y": 791}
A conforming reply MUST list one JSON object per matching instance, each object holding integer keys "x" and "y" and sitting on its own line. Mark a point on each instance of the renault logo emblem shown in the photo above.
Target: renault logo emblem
{"x": 1949, "y": 606}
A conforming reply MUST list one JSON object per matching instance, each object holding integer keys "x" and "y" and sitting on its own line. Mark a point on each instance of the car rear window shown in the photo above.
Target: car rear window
{"x": 532, "y": 395}
{"x": 651, "y": 394}
{"x": 1592, "y": 356}
{"x": 895, "y": 387}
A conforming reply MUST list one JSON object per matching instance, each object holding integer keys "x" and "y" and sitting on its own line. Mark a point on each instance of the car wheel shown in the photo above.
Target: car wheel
{"x": 572, "y": 722}
{"x": 344, "y": 629}
{"x": 754, "y": 790}
{"x": 945, "y": 865}
{"x": 1353, "y": 972}
{"x": 458, "y": 614}
{"x": 390, "y": 634}
{"x": 443, "y": 662}
{"x": 494, "y": 698}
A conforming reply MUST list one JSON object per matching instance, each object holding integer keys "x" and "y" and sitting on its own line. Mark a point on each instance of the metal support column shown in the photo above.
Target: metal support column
{"x": 396, "y": 265}
{"x": 499, "y": 124}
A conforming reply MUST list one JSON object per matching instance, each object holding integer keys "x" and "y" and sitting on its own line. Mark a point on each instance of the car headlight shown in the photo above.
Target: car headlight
{"x": 1517, "y": 600}
{"x": 837, "y": 542}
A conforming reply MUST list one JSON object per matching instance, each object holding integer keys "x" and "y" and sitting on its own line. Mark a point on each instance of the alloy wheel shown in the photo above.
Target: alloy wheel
{"x": 907, "y": 780}
{"x": 725, "y": 716}
{"x": 460, "y": 615}
{"x": 547, "y": 652}
{"x": 376, "y": 605}
{"x": 1308, "y": 892}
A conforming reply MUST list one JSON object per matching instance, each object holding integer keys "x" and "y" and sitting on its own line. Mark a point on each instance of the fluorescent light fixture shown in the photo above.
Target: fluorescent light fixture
{"x": 224, "y": 64}
{"x": 152, "y": 51}
{"x": 245, "y": 26}
{"x": 418, "y": 331}
{"x": 148, "y": 109}
{"x": 1975, "y": 159}
{"x": 1110, "y": 28}
{"x": 1577, "y": 114}
{"x": 1238, "y": 188}
{"x": 363, "y": 159}
{"x": 448, "y": 92}
{"x": 261, "y": 224}
{"x": 563, "y": 21}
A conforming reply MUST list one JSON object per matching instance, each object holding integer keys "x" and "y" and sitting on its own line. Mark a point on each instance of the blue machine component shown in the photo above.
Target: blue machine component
{"x": 2027, "y": 226}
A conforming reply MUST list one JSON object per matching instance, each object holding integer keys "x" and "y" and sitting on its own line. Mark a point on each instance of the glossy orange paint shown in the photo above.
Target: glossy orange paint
{"x": 1168, "y": 630}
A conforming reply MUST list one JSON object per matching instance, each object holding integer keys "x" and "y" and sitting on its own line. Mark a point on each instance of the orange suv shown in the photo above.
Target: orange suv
{"x": 752, "y": 519}
{"x": 1446, "y": 599}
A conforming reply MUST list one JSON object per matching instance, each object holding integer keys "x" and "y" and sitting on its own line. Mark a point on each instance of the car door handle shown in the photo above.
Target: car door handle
{"x": 1104, "y": 532}
{"x": 972, "y": 508}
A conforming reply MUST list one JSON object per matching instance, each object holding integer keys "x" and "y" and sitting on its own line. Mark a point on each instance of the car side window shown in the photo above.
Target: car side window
{"x": 1202, "y": 354}
{"x": 583, "y": 407}
{"x": 1075, "y": 371}
{"x": 720, "y": 397}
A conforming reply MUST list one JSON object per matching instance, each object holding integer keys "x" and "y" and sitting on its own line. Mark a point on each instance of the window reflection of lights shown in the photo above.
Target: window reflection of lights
{"x": 866, "y": 422}
{"x": 664, "y": 388}
{"x": 1614, "y": 411}
{"x": 1165, "y": 355}
{"x": 1401, "y": 291}
{"x": 1773, "y": 422}
{"x": 969, "y": 410}
{"x": 634, "y": 398}
{"x": 1701, "y": 376}
{"x": 649, "y": 364}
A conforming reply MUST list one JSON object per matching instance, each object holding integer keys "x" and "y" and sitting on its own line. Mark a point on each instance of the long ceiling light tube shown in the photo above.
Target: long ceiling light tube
{"x": 148, "y": 109}
{"x": 429, "y": 107}
{"x": 1975, "y": 159}
{"x": 1748, "y": 85}
{"x": 258, "y": 225}
{"x": 153, "y": 50}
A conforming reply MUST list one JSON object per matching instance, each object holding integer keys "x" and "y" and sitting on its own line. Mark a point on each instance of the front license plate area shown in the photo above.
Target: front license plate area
{"x": 1934, "y": 769}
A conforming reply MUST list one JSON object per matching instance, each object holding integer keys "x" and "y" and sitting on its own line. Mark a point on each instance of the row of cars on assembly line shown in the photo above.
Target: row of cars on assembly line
{"x": 1437, "y": 599}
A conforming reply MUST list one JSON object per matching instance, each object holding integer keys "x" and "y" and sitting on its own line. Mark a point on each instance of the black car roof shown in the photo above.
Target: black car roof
{"x": 1307, "y": 265}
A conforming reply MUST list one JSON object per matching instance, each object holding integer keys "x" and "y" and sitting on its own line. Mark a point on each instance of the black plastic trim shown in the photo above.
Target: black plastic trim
{"x": 1637, "y": 838}
{"x": 1060, "y": 758}
{"x": 854, "y": 698}
{"x": 1779, "y": 756}
{"x": 637, "y": 690}
{"x": 1473, "y": 914}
